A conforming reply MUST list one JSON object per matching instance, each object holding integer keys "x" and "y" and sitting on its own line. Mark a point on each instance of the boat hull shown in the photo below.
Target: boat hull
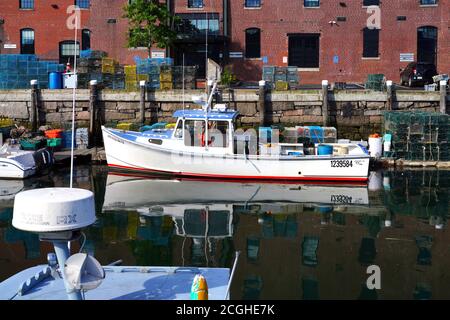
{"x": 11, "y": 169}
{"x": 124, "y": 154}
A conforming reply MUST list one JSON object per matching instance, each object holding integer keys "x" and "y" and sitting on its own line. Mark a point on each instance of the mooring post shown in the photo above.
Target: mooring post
{"x": 389, "y": 94}
{"x": 34, "y": 105}
{"x": 262, "y": 103}
{"x": 325, "y": 102}
{"x": 443, "y": 102}
{"x": 92, "y": 114}
{"x": 142, "y": 85}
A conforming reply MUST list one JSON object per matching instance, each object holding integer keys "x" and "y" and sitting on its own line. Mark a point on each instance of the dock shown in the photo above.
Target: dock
{"x": 402, "y": 163}
{"x": 94, "y": 155}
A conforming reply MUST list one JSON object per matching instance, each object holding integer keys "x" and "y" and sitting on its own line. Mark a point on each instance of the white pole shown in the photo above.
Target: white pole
{"x": 182, "y": 69}
{"x": 74, "y": 96}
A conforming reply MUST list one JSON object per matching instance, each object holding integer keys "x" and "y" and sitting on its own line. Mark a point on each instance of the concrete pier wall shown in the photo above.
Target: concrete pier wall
{"x": 355, "y": 114}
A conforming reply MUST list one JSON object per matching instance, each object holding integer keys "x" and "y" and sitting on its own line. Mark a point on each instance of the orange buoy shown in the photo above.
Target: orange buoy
{"x": 199, "y": 289}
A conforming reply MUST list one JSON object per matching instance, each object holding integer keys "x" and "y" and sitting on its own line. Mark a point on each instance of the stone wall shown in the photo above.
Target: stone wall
{"x": 355, "y": 114}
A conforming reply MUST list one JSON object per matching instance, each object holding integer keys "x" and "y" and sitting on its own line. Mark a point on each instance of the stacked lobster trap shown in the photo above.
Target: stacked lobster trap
{"x": 419, "y": 136}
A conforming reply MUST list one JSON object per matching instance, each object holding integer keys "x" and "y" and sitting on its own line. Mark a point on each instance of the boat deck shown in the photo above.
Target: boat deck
{"x": 123, "y": 283}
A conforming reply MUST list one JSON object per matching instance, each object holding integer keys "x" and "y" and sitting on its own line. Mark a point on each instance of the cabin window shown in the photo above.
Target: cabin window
{"x": 218, "y": 134}
{"x": 194, "y": 133}
{"x": 179, "y": 130}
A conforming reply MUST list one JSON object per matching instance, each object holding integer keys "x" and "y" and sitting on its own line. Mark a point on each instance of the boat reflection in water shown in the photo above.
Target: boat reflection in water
{"x": 134, "y": 192}
{"x": 206, "y": 211}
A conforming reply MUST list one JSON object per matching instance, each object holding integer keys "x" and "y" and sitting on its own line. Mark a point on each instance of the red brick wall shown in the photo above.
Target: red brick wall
{"x": 112, "y": 37}
{"x": 344, "y": 39}
{"x": 275, "y": 21}
{"x": 49, "y": 25}
{"x": 210, "y": 6}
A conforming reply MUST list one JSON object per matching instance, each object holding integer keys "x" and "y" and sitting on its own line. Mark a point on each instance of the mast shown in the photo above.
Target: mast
{"x": 74, "y": 96}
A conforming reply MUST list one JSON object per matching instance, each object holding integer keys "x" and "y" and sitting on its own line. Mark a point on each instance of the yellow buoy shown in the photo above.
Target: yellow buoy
{"x": 199, "y": 289}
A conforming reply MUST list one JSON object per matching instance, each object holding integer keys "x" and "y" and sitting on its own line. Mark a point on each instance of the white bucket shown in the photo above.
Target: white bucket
{"x": 376, "y": 147}
{"x": 387, "y": 146}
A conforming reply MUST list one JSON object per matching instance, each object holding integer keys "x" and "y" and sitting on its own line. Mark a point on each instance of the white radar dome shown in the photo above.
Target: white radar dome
{"x": 53, "y": 210}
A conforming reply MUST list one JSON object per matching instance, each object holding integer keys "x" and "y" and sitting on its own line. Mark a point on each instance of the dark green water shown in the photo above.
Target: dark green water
{"x": 296, "y": 241}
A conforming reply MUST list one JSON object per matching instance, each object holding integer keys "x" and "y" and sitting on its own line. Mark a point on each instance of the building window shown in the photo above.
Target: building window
{"x": 367, "y": 3}
{"x": 304, "y": 50}
{"x": 83, "y": 4}
{"x": 26, "y": 4}
{"x": 27, "y": 41}
{"x": 428, "y": 2}
{"x": 371, "y": 39}
{"x": 252, "y": 3}
{"x": 253, "y": 43}
{"x": 85, "y": 39}
{"x": 195, "y": 3}
{"x": 67, "y": 51}
{"x": 311, "y": 3}
{"x": 195, "y": 24}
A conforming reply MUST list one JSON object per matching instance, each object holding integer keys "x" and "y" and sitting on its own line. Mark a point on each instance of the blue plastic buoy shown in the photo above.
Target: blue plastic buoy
{"x": 55, "y": 80}
{"x": 325, "y": 149}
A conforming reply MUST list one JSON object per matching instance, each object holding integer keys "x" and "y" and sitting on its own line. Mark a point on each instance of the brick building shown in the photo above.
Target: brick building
{"x": 39, "y": 27}
{"x": 328, "y": 40}
{"x": 324, "y": 39}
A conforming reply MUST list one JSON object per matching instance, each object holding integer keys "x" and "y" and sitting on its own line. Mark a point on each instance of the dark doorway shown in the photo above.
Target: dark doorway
{"x": 427, "y": 44}
{"x": 304, "y": 50}
{"x": 195, "y": 55}
{"x": 195, "y": 32}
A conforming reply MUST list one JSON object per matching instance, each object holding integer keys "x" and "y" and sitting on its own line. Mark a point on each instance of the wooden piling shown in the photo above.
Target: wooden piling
{"x": 389, "y": 92}
{"x": 262, "y": 103}
{"x": 92, "y": 113}
{"x": 142, "y": 102}
{"x": 34, "y": 114}
{"x": 325, "y": 102}
{"x": 443, "y": 100}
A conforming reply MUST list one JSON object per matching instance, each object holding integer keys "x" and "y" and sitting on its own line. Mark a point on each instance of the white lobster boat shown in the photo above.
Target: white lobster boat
{"x": 182, "y": 152}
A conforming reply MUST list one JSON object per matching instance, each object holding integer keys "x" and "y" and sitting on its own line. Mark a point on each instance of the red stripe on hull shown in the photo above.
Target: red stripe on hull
{"x": 238, "y": 177}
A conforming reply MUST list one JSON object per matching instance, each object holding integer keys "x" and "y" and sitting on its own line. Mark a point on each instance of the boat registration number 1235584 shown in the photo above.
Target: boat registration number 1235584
{"x": 341, "y": 163}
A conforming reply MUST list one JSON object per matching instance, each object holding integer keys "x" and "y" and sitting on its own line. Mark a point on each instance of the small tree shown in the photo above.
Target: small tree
{"x": 150, "y": 23}
{"x": 228, "y": 77}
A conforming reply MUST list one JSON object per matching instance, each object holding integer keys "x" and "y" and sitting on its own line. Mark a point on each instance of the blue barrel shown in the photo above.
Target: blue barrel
{"x": 325, "y": 149}
{"x": 55, "y": 80}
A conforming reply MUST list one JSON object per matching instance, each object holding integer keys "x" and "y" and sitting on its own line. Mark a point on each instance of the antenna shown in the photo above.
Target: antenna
{"x": 74, "y": 95}
{"x": 182, "y": 70}
{"x": 206, "y": 64}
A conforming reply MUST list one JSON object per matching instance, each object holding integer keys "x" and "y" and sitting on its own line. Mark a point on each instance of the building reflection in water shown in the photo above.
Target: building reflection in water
{"x": 297, "y": 241}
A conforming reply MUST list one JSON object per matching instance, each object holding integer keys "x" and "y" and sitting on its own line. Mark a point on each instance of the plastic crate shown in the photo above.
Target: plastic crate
{"x": 166, "y": 86}
{"x": 131, "y": 85}
{"x": 166, "y": 77}
{"x": 142, "y": 77}
{"x": 56, "y": 142}
{"x": 280, "y": 77}
{"x": 130, "y": 69}
{"x": 281, "y": 86}
{"x": 269, "y": 70}
{"x": 31, "y": 144}
{"x": 280, "y": 70}
{"x": 108, "y": 69}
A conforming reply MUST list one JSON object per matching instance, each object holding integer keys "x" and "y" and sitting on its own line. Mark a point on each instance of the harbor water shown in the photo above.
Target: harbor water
{"x": 297, "y": 241}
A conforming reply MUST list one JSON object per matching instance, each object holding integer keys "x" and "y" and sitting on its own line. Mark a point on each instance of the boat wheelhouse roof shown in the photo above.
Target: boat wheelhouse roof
{"x": 211, "y": 115}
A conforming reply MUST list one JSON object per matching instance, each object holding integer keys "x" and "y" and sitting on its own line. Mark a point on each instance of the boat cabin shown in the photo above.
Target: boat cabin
{"x": 197, "y": 130}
